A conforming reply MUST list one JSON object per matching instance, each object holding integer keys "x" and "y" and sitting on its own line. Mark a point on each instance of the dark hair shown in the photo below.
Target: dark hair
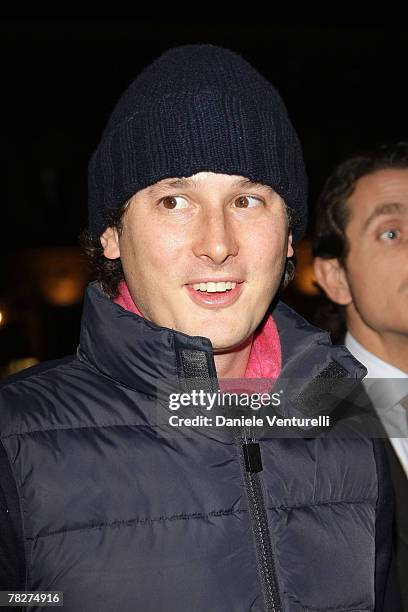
{"x": 109, "y": 272}
{"x": 332, "y": 213}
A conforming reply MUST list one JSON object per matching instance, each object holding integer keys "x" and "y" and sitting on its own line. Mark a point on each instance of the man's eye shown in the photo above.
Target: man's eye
{"x": 247, "y": 202}
{"x": 173, "y": 202}
{"x": 390, "y": 234}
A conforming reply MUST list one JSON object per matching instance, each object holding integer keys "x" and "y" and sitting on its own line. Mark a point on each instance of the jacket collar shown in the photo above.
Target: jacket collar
{"x": 137, "y": 353}
{"x": 265, "y": 360}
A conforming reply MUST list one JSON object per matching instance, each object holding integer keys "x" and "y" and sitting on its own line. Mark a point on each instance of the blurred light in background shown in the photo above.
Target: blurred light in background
{"x": 15, "y": 365}
{"x": 305, "y": 280}
{"x": 40, "y": 305}
{"x": 61, "y": 274}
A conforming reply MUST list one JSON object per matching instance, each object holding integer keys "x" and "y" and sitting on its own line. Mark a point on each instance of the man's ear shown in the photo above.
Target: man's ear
{"x": 290, "y": 247}
{"x": 331, "y": 277}
{"x": 110, "y": 243}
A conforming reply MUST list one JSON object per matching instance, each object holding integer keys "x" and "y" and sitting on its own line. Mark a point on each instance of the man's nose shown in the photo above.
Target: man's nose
{"x": 216, "y": 238}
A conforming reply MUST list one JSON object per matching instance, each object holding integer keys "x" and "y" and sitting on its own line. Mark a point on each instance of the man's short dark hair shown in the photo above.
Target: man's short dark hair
{"x": 109, "y": 272}
{"x": 332, "y": 213}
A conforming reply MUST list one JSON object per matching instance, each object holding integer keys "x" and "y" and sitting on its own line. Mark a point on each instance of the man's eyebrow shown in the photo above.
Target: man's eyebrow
{"x": 248, "y": 183}
{"x": 178, "y": 182}
{"x": 386, "y": 209}
{"x": 190, "y": 182}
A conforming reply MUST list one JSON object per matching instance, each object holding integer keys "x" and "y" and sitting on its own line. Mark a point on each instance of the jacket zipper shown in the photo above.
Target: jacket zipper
{"x": 252, "y": 460}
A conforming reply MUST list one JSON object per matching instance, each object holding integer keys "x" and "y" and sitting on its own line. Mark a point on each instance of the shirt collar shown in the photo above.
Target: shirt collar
{"x": 376, "y": 367}
{"x": 385, "y": 384}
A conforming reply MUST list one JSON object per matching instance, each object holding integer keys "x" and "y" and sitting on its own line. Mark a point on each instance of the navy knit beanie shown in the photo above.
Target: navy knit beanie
{"x": 196, "y": 108}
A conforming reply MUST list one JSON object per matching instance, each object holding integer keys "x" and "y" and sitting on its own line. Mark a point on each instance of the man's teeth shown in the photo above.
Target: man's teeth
{"x": 213, "y": 287}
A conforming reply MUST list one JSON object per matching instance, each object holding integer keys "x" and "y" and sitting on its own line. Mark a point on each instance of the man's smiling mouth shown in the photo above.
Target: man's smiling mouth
{"x": 213, "y": 293}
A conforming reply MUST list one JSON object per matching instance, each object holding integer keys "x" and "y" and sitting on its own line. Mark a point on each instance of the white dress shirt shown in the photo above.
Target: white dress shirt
{"x": 386, "y": 391}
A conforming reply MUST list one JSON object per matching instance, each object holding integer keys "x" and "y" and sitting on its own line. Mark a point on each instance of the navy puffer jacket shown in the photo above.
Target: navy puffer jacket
{"x": 123, "y": 517}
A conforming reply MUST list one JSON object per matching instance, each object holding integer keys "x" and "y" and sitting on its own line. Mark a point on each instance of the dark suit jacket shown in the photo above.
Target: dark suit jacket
{"x": 359, "y": 403}
{"x": 400, "y": 483}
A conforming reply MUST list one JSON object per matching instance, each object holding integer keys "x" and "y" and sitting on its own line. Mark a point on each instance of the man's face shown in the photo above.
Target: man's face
{"x": 180, "y": 236}
{"x": 377, "y": 263}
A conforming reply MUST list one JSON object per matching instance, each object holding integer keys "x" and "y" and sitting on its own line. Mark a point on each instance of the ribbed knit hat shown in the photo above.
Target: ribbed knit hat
{"x": 196, "y": 108}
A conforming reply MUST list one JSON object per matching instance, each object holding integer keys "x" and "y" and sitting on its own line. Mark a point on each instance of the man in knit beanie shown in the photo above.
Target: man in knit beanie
{"x": 111, "y": 493}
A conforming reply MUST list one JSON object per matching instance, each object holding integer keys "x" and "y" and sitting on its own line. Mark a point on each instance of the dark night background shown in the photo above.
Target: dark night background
{"x": 343, "y": 80}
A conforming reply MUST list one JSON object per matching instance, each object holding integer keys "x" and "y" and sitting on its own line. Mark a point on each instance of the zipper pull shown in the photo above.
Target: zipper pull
{"x": 252, "y": 456}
